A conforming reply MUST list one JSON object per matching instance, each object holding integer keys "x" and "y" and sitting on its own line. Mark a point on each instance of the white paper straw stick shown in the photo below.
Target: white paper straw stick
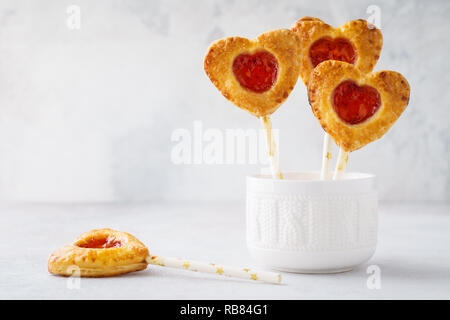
{"x": 272, "y": 148}
{"x": 326, "y": 157}
{"x": 341, "y": 164}
{"x": 197, "y": 266}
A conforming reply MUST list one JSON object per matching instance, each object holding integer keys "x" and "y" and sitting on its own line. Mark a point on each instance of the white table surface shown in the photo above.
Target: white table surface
{"x": 413, "y": 254}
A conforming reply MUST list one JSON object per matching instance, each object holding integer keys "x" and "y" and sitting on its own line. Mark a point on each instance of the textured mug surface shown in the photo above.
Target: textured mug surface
{"x": 304, "y": 224}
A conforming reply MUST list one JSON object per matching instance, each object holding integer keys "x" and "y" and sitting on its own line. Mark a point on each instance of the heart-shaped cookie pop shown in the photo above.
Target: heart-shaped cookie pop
{"x": 355, "y": 108}
{"x": 357, "y": 42}
{"x": 256, "y": 75}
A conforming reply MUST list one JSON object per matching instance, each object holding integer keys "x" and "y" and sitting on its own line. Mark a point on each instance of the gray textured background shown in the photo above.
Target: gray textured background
{"x": 87, "y": 115}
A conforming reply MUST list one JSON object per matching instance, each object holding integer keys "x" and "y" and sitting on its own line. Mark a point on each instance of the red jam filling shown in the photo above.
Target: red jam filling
{"x": 256, "y": 72}
{"x": 102, "y": 243}
{"x": 332, "y": 49}
{"x": 355, "y": 104}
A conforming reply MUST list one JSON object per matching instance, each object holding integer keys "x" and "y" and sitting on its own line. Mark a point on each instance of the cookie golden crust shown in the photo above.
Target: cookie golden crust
{"x": 364, "y": 37}
{"x": 99, "y": 253}
{"x": 393, "y": 90}
{"x": 283, "y": 44}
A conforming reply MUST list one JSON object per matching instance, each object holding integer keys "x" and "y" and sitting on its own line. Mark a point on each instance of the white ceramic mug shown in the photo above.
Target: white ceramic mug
{"x": 303, "y": 224}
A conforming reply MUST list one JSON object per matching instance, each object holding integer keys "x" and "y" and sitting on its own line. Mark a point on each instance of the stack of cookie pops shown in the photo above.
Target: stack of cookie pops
{"x": 105, "y": 253}
{"x": 353, "y": 105}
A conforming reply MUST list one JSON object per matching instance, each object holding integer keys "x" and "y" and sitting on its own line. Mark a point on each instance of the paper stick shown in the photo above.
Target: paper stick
{"x": 272, "y": 148}
{"x": 341, "y": 164}
{"x": 197, "y": 266}
{"x": 326, "y": 157}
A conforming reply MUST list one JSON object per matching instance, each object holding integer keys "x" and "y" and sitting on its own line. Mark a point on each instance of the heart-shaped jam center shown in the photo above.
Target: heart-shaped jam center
{"x": 101, "y": 243}
{"x": 355, "y": 104}
{"x": 256, "y": 72}
{"x": 332, "y": 49}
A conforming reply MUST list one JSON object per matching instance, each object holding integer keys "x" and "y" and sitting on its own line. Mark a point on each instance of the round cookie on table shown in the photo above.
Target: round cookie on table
{"x": 99, "y": 253}
{"x": 353, "y": 107}
{"x": 356, "y": 42}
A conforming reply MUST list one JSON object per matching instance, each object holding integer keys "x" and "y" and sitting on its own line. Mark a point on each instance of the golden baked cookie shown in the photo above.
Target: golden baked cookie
{"x": 357, "y": 42}
{"x": 99, "y": 253}
{"x": 353, "y": 107}
{"x": 256, "y": 75}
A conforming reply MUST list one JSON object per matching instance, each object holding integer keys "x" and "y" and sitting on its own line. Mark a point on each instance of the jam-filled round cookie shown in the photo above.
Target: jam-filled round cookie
{"x": 356, "y": 42}
{"x": 256, "y": 75}
{"x": 99, "y": 253}
{"x": 353, "y": 107}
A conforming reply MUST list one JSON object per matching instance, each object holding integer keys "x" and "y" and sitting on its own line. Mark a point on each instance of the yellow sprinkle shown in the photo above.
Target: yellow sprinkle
{"x": 329, "y": 155}
{"x": 279, "y": 278}
{"x": 253, "y": 276}
{"x": 246, "y": 270}
{"x": 158, "y": 261}
{"x": 219, "y": 270}
{"x": 186, "y": 264}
